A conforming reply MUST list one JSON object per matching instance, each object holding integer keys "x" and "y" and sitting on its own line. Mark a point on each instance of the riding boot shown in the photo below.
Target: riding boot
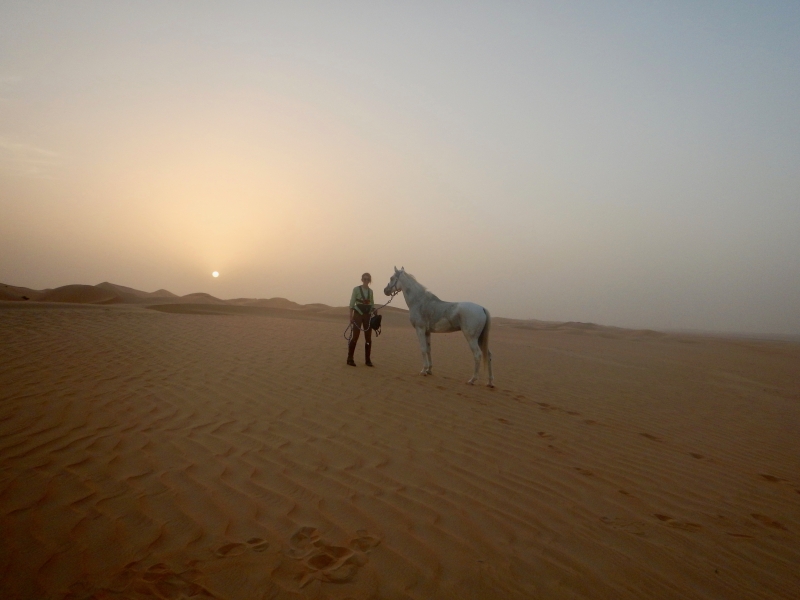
{"x": 351, "y": 348}
{"x": 367, "y": 351}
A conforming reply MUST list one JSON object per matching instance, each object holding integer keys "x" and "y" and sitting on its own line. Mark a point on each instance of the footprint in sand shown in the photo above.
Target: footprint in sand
{"x": 696, "y": 455}
{"x": 327, "y": 562}
{"x": 157, "y": 581}
{"x": 544, "y": 434}
{"x": 237, "y": 549}
{"x": 365, "y": 541}
{"x": 505, "y": 421}
{"x": 650, "y": 436}
{"x": 233, "y": 549}
{"x": 586, "y": 472}
{"x": 257, "y": 544}
{"x": 302, "y": 541}
{"x": 764, "y": 520}
{"x": 684, "y": 525}
{"x": 772, "y": 478}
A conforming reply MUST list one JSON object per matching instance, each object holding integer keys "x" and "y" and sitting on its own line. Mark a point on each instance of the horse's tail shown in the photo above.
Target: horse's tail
{"x": 483, "y": 338}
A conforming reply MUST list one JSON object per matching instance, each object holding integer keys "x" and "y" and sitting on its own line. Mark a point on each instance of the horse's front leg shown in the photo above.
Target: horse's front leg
{"x": 422, "y": 335}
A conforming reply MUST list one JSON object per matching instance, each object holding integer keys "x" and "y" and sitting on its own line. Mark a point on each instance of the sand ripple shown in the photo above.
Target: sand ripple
{"x": 164, "y": 455}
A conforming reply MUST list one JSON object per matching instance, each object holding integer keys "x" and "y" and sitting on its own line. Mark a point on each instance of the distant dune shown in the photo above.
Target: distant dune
{"x": 121, "y": 290}
{"x": 81, "y": 294}
{"x": 15, "y": 293}
{"x": 268, "y": 303}
{"x": 200, "y": 303}
{"x": 7, "y": 296}
{"x": 201, "y": 298}
{"x": 112, "y": 293}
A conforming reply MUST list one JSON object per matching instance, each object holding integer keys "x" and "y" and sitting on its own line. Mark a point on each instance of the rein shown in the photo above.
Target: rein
{"x": 348, "y": 332}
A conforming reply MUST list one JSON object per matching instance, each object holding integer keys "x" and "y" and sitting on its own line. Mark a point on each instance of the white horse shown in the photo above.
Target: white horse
{"x": 428, "y": 314}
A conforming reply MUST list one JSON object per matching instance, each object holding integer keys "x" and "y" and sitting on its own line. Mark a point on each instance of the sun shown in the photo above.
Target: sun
{"x": 215, "y": 273}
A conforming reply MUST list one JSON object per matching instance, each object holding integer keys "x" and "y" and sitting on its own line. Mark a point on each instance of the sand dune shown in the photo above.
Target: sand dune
{"x": 201, "y": 298}
{"x": 111, "y": 293}
{"x": 8, "y": 295}
{"x": 135, "y": 296}
{"x": 16, "y": 293}
{"x": 121, "y": 290}
{"x": 266, "y": 303}
{"x": 80, "y": 294}
{"x": 232, "y": 454}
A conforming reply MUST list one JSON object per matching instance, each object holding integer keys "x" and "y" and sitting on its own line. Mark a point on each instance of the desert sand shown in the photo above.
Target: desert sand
{"x": 224, "y": 450}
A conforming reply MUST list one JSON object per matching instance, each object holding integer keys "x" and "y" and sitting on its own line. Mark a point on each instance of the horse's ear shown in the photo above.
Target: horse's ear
{"x": 396, "y": 271}
{"x": 403, "y": 269}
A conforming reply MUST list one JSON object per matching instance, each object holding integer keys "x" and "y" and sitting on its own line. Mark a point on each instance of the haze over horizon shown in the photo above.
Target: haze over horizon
{"x": 623, "y": 164}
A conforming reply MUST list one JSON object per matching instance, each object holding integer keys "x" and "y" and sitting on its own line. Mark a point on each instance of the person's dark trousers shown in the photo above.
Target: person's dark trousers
{"x": 361, "y": 322}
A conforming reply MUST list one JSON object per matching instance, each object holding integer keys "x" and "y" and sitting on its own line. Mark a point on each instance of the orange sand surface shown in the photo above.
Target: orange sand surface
{"x": 213, "y": 451}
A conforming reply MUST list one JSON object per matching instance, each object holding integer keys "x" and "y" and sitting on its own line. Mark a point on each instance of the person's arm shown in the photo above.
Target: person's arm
{"x": 353, "y": 304}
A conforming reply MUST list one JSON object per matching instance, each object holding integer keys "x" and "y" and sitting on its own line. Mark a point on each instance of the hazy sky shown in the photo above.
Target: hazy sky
{"x": 627, "y": 163}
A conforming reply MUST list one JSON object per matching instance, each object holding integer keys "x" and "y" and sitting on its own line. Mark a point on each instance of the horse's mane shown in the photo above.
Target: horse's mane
{"x": 424, "y": 289}
{"x": 415, "y": 280}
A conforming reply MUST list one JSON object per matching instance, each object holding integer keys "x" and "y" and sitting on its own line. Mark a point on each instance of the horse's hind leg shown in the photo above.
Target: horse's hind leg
{"x": 477, "y": 355}
{"x": 423, "y": 338}
{"x": 428, "y": 351}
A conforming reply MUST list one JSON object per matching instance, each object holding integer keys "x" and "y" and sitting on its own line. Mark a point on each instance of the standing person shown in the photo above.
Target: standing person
{"x": 361, "y": 305}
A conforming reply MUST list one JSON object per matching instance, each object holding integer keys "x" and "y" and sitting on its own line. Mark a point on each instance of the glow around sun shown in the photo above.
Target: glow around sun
{"x": 215, "y": 273}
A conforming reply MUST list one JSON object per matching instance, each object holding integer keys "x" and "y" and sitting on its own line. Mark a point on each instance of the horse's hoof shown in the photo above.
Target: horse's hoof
{"x": 423, "y": 372}
{"x": 490, "y": 385}
{"x": 471, "y": 382}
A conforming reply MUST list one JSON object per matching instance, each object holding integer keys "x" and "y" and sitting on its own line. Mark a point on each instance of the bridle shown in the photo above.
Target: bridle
{"x": 396, "y": 278}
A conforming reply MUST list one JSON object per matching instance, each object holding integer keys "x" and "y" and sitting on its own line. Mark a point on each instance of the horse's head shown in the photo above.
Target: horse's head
{"x": 394, "y": 286}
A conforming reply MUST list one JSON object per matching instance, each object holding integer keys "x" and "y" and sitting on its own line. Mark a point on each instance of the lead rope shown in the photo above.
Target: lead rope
{"x": 348, "y": 332}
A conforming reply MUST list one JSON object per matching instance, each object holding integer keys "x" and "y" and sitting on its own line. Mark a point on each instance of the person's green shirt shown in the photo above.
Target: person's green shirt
{"x": 363, "y": 299}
